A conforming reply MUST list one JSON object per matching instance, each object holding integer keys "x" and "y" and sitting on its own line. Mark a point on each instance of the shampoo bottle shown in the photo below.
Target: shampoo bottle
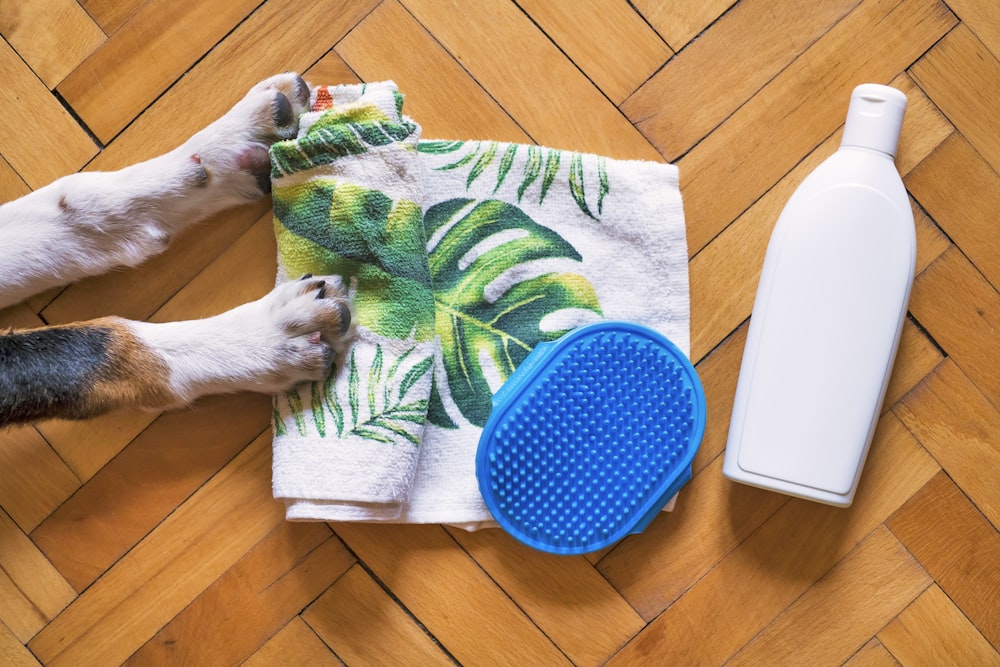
{"x": 827, "y": 317}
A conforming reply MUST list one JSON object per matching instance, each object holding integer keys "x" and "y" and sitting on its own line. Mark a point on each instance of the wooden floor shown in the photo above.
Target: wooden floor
{"x": 153, "y": 539}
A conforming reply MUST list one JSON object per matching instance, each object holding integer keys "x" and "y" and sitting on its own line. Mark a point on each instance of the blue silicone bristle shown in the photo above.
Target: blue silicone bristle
{"x": 590, "y": 437}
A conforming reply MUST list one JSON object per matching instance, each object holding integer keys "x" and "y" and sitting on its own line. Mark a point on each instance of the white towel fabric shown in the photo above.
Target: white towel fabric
{"x": 347, "y": 202}
{"x": 523, "y": 243}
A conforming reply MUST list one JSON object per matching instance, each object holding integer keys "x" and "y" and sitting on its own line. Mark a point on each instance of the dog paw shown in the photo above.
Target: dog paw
{"x": 310, "y": 321}
{"x": 233, "y": 151}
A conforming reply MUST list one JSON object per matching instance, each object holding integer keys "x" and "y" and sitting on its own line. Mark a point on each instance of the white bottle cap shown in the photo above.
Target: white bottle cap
{"x": 874, "y": 118}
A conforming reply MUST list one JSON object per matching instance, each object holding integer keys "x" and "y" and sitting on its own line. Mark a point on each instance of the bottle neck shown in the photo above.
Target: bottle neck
{"x": 874, "y": 119}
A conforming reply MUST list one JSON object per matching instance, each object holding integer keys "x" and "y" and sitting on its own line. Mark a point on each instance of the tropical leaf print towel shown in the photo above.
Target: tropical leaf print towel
{"x": 353, "y": 440}
{"x": 518, "y": 244}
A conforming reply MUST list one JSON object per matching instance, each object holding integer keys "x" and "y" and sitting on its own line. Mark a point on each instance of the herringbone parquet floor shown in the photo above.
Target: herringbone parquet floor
{"x": 153, "y": 539}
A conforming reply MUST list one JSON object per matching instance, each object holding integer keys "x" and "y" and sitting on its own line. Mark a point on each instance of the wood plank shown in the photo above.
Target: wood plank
{"x": 958, "y": 547}
{"x": 32, "y": 592}
{"x": 112, "y": 14}
{"x": 781, "y": 560}
{"x": 363, "y": 625}
{"x": 959, "y": 427}
{"x": 924, "y": 126}
{"x": 449, "y": 594}
{"x": 12, "y": 651}
{"x": 607, "y": 39}
{"x": 962, "y": 193}
{"x": 872, "y": 654}
{"x": 963, "y": 79}
{"x": 565, "y": 596}
{"x": 38, "y": 137}
{"x": 295, "y": 644}
{"x": 719, "y": 72}
{"x": 679, "y": 21}
{"x": 11, "y": 185}
{"x": 86, "y": 446}
{"x": 933, "y": 631}
{"x": 653, "y": 569}
{"x": 836, "y": 616}
{"x": 145, "y": 56}
{"x": 983, "y": 18}
{"x": 331, "y": 69}
{"x": 224, "y": 75}
{"x": 539, "y": 87}
{"x": 19, "y": 316}
{"x": 429, "y": 100}
{"x": 40, "y": 481}
{"x": 719, "y": 372}
{"x": 961, "y": 311}
{"x": 277, "y": 578}
{"x": 52, "y": 36}
{"x": 165, "y": 572}
{"x": 143, "y": 484}
{"x": 802, "y": 106}
{"x": 244, "y": 272}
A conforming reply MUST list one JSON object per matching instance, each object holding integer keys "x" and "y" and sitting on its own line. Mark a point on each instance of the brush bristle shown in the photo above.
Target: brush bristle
{"x": 593, "y": 442}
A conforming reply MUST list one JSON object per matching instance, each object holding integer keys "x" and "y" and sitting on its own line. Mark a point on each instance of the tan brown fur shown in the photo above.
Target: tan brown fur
{"x": 136, "y": 375}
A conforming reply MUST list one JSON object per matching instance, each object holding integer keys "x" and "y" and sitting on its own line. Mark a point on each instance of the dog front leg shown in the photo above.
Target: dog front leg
{"x": 291, "y": 335}
{"x": 88, "y": 223}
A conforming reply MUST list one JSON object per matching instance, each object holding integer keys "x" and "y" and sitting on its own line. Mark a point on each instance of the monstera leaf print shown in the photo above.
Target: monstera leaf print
{"x": 471, "y": 245}
{"x": 362, "y": 235}
{"x": 539, "y": 162}
{"x": 336, "y": 134}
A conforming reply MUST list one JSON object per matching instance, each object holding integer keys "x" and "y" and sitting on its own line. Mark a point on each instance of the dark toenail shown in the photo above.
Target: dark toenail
{"x": 283, "y": 113}
{"x": 263, "y": 182}
{"x": 321, "y": 294}
{"x": 306, "y": 276}
{"x": 302, "y": 89}
{"x": 345, "y": 317}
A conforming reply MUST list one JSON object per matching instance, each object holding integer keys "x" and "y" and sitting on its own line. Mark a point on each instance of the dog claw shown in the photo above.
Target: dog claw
{"x": 345, "y": 317}
{"x": 284, "y": 115}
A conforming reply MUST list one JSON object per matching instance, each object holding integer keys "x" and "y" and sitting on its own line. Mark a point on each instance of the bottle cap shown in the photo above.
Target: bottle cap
{"x": 874, "y": 118}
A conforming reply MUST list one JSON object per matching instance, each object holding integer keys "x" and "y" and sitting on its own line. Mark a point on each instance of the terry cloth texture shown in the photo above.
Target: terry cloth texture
{"x": 520, "y": 243}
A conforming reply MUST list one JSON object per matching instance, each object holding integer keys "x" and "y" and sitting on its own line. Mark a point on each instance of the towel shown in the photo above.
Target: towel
{"x": 523, "y": 243}
{"x": 347, "y": 202}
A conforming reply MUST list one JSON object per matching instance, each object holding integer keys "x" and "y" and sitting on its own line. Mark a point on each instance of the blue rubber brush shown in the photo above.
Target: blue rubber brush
{"x": 590, "y": 437}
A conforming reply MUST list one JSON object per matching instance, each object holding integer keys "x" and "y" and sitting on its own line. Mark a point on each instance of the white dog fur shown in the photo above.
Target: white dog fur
{"x": 88, "y": 223}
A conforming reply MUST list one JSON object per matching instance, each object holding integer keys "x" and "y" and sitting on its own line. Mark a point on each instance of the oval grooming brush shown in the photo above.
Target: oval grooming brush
{"x": 590, "y": 437}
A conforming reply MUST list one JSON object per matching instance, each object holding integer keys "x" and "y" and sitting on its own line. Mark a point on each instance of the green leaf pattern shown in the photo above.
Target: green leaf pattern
{"x": 481, "y": 154}
{"x": 468, "y": 245}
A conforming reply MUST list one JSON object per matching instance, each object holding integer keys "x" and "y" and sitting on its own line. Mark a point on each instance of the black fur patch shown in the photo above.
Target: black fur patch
{"x": 49, "y": 372}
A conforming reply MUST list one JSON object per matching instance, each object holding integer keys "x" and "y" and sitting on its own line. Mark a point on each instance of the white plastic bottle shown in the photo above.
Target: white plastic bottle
{"x": 828, "y": 314}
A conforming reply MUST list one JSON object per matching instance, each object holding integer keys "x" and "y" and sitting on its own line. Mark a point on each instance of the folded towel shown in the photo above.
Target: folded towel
{"x": 523, "y": 243}
{"x": 347, "y": 203}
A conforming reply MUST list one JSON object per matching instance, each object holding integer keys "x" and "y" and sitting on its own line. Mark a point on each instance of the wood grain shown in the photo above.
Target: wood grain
{"x": 38, "y": 137}
{"x": 360, "y": 623}
{"x": 159, "y": 42}
{"x": 52, "y": 36}
{"x": 957, "y": 546}
{"x": 139, "y": 538}
{"x": 933, "y": 631}
{"x": 962, "y": 73}
{"x": 709, "y": 80}
{"x": 836, "y": 616}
